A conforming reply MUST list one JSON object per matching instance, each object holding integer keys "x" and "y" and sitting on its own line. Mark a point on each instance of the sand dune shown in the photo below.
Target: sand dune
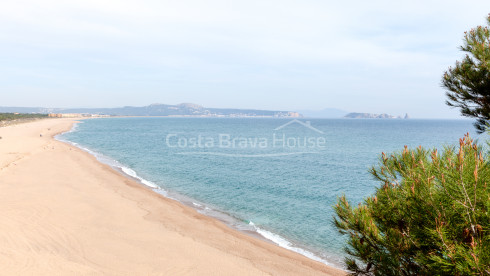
{"x": 64, "y": 213}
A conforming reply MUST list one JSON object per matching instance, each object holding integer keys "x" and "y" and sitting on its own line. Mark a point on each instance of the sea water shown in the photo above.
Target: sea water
{"x": 278, "y": 178}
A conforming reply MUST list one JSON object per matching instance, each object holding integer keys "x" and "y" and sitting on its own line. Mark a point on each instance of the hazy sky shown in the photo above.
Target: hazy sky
{"x": 364, "y": 56}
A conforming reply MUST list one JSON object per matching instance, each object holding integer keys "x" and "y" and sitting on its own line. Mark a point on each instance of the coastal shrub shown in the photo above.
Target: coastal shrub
{"x": 14, "y": 116}
{"x": 468, "y": 82}
{"x": 429, "y": 216}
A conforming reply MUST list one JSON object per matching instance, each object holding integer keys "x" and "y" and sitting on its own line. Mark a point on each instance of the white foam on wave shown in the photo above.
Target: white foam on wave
{"x": 133, "y": 174}
{"x": 73, "y": 129}
{"x": 197, "y": 204}
{"x": 282, "y": 242}
{"x": 129, "y": 172}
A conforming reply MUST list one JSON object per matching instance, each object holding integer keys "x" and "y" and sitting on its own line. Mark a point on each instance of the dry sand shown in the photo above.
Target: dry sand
{"x": 64, "y": 213}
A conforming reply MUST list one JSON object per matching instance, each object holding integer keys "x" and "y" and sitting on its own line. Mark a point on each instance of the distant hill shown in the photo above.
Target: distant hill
{"x": 39, "y": 110}
{"x": 324, "y": 113}
{"x": 184, "y": 109}
{"x": 370, "y": 116}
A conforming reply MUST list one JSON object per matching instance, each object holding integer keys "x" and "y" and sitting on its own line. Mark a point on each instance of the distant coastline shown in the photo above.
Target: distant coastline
{"x": 180, "y": 110}
{"x": 355, "y": 115}
{"x": 191, "y": 110}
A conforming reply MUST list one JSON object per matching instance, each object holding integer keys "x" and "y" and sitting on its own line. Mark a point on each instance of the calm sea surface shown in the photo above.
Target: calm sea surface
{"x": 276, "y": 177}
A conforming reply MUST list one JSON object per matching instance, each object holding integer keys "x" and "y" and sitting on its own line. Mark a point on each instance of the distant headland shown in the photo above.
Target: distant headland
{"x": 374, "y": 116}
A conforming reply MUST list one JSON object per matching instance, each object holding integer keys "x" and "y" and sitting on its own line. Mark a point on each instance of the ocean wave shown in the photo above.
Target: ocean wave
{"x": 282, "y": 242}
{"x": 133, "y": 174}
{"x": 197, "y": 204}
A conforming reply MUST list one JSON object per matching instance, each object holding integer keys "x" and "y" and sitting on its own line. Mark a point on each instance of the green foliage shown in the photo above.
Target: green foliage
{"x": 429, "y": 217}
{"x": 468, "y": 83}
{"x": 15, "y": 116}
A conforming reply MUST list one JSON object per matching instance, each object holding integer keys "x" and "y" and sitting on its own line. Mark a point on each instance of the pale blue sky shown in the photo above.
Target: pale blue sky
{"x": 363, "y": 56}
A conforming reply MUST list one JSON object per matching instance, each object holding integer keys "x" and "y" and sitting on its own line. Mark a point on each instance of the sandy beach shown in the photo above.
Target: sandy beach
{"x": 64, "y": 213}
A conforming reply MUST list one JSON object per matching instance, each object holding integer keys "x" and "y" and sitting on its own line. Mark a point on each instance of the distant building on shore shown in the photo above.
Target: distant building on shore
{"x": 62, "y": 115}
{"x": 288, "y": 114}
{"x": 74, "y": 115}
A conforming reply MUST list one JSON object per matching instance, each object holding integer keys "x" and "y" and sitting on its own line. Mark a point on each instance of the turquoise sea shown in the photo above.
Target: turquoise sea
{"x": 277, "y": 178}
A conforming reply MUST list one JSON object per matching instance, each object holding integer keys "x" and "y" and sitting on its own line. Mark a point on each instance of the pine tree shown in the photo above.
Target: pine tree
{"x": 468, "y": 83}
{"x": 430, "y": 215}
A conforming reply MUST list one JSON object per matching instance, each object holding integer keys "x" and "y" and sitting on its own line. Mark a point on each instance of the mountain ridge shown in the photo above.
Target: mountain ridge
{"x": 157, "y": 109}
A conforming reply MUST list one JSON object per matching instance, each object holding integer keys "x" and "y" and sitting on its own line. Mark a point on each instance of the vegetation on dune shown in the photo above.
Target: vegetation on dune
{"x": 430, "y": 215}
{"x": 15, "y": 116}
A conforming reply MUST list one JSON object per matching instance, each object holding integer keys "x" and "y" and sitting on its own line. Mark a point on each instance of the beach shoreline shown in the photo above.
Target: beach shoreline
{"x": 247, "y": 227}
{"x": 98, "y": 221}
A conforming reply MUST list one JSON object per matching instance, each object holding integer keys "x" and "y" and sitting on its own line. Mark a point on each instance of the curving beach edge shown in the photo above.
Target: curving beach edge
{"x": 64, "y": 213}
